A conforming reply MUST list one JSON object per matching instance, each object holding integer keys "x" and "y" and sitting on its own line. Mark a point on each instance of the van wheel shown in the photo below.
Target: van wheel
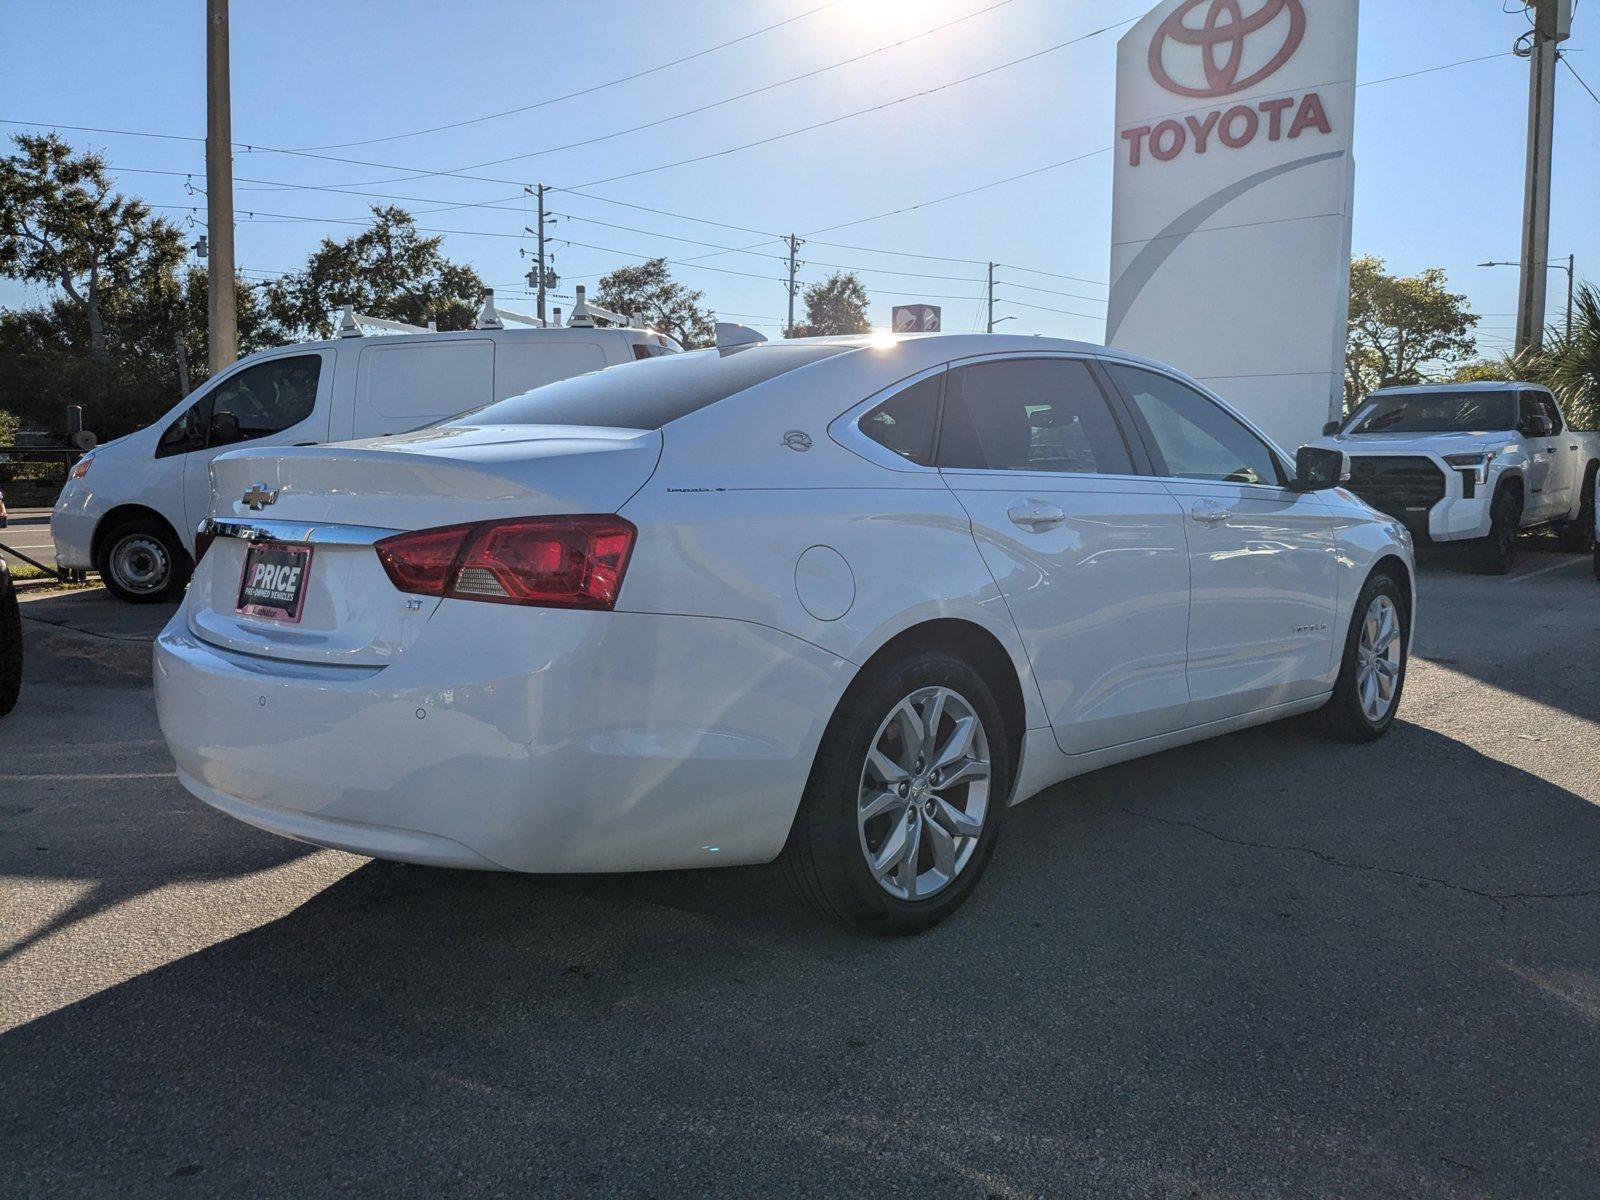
{"x": 141, "y": 561}
{"x": 906, "y": 797}
{"x": 1494, "y": 554}
{"x": 10, "y": 645}
{"x": 1372, "y": 673}
{"x": 1577, "y": 535}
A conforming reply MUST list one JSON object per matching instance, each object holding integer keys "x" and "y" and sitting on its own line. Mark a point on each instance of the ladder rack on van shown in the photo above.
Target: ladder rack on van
{"x": 584, "y": 316}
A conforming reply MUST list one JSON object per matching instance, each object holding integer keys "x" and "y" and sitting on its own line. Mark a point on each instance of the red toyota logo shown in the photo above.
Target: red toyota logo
{"x": 1224, "y": 31}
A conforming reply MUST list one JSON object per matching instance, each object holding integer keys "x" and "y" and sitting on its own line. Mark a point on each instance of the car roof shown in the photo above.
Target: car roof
{"x": 511, "y": 333}
{"x": 1482, "y": 385}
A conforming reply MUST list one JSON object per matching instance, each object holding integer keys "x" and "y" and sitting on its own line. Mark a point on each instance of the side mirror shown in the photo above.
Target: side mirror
{"x": 1331, "y": 428}
{"x": 1317, "y": 469}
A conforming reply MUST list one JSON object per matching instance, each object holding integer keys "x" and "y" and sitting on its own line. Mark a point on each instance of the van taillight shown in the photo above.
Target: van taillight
{"x": 563, "y": 562}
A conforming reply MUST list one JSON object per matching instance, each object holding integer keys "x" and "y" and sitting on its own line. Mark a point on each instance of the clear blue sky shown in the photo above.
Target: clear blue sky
{"x": 1439, "y": 156}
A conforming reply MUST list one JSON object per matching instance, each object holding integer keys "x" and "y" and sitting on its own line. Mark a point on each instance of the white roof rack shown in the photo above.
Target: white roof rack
{"x": 587, "y": 316}
{"x": 351, "y": 323}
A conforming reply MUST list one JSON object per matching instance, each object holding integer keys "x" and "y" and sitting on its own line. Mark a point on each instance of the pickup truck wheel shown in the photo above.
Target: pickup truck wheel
{"x": 142, "y": 562}
{"x": 1577, "y": 534}
{"x": 1494, "y": 554}
{"x": 1372, "y": 673}
{"x": 10, "y": 645}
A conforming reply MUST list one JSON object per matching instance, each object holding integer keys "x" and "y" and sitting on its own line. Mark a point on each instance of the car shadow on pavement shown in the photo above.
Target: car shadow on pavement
{"x": 1177, "y": 977}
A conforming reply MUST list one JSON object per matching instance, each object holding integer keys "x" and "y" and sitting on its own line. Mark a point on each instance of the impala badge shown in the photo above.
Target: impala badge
{"x": 258, "y": 497}
{"x": 797, "y": 439}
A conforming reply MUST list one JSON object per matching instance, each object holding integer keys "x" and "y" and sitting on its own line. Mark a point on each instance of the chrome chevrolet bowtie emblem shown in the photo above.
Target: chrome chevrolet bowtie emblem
{"x": 258, "y": 497}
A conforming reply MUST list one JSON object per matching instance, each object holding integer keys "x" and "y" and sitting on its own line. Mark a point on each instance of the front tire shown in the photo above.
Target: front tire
{"x": 1495, "y": 554}
{"x": 10, "y": 645}
{"x": 1372, "y": 672}
{"x": 904, "y": 804}
{"x": 141, "y": 561}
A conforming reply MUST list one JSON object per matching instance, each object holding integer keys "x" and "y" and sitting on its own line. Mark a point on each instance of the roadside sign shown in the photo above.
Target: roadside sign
{"x": 916, "y": 318}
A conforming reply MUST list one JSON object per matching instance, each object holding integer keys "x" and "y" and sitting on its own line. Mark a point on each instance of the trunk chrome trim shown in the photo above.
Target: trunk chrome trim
{"x": 295, "y": 531}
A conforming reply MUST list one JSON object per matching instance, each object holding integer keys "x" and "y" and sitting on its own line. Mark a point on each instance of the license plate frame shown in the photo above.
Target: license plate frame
{"x": 259, "y": 598}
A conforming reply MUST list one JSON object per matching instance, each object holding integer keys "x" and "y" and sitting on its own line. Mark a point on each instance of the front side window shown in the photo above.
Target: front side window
{"x": 1034, "y": 414}
{"x": 1196, "y": 436}
{"x": 1548, "y": 407}
{"x": 266, "y": 398}
{"x": 905, "y": 422}
{"x": 188, "y": 432}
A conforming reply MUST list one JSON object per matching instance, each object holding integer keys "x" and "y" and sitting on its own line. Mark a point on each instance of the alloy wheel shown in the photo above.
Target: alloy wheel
{"x": 924, "y": 793}
{"x": 1378, "y": 658}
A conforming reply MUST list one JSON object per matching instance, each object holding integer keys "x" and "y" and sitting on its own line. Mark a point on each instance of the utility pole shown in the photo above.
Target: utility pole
{"x": 221, "y": 306}
{"x": 546, "y": 275}
{"x": 991, "y": 297}
{"x": 1552, "y": 25}
{"x": 794, "y": 266}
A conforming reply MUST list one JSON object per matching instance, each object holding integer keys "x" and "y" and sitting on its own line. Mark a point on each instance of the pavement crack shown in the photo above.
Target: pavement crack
{"x": 1333, "y": 860}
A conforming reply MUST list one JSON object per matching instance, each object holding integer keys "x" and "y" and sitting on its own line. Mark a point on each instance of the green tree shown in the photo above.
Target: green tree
{"x": 1403, "y": 329}
{"x": 62, "y": 225}
{"x": 1570, "y": 365}
{"x": 836, "y": 305}
{"x": 389, "y": 270}
{"x": 650, "y": 291}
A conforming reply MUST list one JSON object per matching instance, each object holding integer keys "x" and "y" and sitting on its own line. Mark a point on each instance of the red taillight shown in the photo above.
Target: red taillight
{"x": 566, "y": 562}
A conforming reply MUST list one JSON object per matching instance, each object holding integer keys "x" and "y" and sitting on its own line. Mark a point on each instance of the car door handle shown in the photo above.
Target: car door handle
{"x": 1034, "y": 515}
{"x": 1209, "y": 512}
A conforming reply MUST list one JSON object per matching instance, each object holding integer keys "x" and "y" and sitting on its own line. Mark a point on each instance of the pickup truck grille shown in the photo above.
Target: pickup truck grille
{"x": 1405, "y": 488}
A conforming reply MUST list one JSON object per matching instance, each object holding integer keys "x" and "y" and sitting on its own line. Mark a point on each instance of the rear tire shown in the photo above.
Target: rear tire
{"x": 1577, "y": 535}
{"x": 1495, "y": 554}
{"x": 911, "y": 824}
{"x": 141, "y": 561}
{"x": 1372, "y": 676}
{"x": 10, "y": 645}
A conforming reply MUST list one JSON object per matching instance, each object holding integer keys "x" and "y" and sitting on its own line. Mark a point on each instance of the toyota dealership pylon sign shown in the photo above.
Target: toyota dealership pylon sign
{"x": 1230, "y": 251}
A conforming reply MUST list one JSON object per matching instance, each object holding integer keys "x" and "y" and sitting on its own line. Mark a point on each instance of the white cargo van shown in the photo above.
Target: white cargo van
{"x": 131, "y": 507}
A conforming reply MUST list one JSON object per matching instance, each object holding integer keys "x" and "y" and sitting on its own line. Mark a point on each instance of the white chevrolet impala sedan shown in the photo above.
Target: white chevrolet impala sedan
{"x": 840, "y": 601}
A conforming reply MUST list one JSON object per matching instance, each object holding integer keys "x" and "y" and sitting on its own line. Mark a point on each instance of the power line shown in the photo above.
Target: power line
{"x": 1562, "y": 58}
{"x": 588, "y": 91}
{"x": 925, "y": 92}
{"x": 690, "y": 112}
{"x": 1028, "y": 287}
{"x": 1064, "y": 312}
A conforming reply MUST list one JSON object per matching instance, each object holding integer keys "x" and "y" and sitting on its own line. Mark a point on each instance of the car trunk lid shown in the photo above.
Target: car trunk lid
{"x": 340, "y": 499}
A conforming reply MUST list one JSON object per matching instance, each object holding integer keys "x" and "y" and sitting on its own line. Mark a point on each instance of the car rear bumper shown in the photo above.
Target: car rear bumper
{"x": 513, "y": 738}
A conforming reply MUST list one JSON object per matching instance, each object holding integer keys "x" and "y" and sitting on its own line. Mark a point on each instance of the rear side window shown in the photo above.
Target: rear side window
{"x": 1037, "y": 414}
{"x": 905, "y": 422}
{"x": 647, "y": 395}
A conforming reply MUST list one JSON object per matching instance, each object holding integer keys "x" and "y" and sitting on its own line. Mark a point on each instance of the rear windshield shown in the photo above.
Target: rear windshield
{"x": 1435, "y": 412}
{"x": 648, "y": 394}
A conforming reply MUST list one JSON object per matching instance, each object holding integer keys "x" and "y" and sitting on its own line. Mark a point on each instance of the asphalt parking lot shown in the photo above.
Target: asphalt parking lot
{"x": 1265, "y": 965}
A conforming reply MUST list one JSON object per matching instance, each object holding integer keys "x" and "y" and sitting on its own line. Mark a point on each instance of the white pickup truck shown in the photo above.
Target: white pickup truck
{"x": 1472, "y": 462}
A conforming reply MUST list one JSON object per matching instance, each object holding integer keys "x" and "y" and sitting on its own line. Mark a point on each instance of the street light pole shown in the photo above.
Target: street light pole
{"x": 1570, "y": 267}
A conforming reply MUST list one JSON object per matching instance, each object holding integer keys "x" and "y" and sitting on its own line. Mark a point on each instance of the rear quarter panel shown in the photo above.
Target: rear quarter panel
{"x": 728, "y": 518}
